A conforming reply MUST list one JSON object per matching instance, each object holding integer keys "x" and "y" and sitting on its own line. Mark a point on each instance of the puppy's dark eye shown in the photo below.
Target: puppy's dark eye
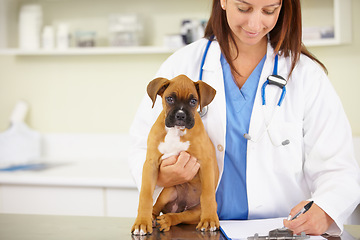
{"x": 170, "y": 100}
{"x": 193, "y": 102}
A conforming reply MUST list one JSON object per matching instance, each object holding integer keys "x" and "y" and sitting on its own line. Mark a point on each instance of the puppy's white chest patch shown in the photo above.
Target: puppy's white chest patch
{"x": 172, "y": 144}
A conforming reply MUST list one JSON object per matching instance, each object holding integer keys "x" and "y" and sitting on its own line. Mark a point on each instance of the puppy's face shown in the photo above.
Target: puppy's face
{"x": 180, "y": 102}
{"x": 180, "y": 98}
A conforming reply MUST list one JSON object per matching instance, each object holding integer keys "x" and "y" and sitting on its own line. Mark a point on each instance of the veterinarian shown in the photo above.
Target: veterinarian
{"x": 280, "y": 131}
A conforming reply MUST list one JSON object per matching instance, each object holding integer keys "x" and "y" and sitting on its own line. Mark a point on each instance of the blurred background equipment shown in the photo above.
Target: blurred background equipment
{"x": 19, "y": 144}
{"x": 125, "y": 30}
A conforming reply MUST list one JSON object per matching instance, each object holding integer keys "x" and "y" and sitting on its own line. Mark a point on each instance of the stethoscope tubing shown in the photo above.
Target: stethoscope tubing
{"x": 275, "y": 71}
{"x": 263, "y": 97}
{"x": 282, "y": 96}
{"x": 204, "y": 57}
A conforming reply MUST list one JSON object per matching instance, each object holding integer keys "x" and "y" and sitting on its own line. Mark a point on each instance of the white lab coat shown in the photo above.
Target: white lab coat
{"x": 319, "y": 162}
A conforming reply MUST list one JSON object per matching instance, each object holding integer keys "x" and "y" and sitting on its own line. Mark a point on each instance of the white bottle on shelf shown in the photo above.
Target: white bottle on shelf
{"x": 47, "y": 38}
{"x": 30, "y": 24}
{"x": 62, "y": 37}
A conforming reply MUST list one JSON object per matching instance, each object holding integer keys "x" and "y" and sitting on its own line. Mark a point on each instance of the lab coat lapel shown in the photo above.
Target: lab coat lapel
{"x": 212, "y": 68}
{"x": 213, "y": 76}
{"x": 215, "y": 121}
{"x": 259, "y": 115}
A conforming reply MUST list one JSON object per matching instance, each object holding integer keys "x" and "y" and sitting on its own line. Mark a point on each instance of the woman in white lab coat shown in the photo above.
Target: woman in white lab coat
{"x": 292, "y": 154}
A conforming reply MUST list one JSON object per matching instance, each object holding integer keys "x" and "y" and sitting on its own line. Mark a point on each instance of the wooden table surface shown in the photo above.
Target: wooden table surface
{"x": 41, "y": 227}
{"x": 47, "y": 227}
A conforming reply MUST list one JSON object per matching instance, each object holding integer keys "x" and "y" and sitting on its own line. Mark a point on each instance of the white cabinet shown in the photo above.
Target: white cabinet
{"x": 90, "y": 177}
{"x": 121, "y": 202}
{"x": 77, "y": 201}
{"x": 52, "y": 200}
{"x": 160, "y": 18}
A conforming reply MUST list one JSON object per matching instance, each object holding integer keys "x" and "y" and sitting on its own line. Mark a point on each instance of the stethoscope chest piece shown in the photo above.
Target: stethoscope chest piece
{"x": 277, "y": 80}
{"x": 203, "y": 112}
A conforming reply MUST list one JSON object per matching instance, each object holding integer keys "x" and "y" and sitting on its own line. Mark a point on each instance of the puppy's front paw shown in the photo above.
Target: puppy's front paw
{"x": 142, "y": 226}
{"x": 208, "y": 224}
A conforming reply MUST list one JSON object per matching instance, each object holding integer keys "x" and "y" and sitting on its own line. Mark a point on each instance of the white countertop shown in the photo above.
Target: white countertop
{"x": 79, "y": 160}
{"x": 110, "y": 173}
{"x": 107, "y": 166}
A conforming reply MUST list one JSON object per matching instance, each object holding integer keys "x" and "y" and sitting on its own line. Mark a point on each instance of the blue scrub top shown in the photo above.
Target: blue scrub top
{"x": 231, "y": 195}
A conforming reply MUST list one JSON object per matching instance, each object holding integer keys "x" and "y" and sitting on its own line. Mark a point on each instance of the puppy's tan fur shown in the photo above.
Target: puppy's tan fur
{"x": 200, "y": 191}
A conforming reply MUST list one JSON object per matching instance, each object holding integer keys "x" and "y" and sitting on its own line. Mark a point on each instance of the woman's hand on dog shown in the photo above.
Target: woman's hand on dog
{"x": 177, "y": 170}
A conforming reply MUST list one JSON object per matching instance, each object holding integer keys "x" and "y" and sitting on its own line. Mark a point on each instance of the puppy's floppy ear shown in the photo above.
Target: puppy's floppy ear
{"x": 157, "y": 87}
{"x": 206, "y": 93}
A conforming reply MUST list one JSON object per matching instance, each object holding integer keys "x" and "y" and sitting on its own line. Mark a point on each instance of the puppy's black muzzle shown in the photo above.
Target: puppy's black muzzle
{"x": 180, "y": 118}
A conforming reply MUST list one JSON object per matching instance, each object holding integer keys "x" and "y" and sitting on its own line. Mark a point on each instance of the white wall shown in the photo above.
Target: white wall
{"x": 99, "y": 94}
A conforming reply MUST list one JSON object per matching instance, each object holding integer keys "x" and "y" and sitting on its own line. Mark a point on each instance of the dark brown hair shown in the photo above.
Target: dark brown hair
{"x": 285, "y": 37}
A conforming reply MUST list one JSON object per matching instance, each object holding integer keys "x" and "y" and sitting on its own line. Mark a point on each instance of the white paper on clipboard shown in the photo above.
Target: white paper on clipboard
{"x": 242, "y": 229}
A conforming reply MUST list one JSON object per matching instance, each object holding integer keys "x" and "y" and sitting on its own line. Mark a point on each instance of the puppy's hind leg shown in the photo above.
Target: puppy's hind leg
{"x": 167, "y": 195}
{"x": 191, "y": 216}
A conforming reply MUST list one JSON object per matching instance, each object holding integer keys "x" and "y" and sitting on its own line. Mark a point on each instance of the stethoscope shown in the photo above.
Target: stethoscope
{"x": 205, "y": 109}
{"x": 273, "y": 79}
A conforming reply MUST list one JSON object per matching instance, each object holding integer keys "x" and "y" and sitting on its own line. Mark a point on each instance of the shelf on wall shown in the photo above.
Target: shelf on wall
{"x": 338, "y": 10}
{"x": 321, "y": 42}
{"x": 89, "y": 51}
{"x": 140, "y": 50}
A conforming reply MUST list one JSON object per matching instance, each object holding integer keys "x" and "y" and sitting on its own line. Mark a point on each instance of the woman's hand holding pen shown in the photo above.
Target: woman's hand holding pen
{"x": 177, "y": 170}
{"x": 313, "y": 222}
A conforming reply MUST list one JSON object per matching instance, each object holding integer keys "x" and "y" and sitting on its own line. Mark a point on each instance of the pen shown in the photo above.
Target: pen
{"x": 302, "y": 211}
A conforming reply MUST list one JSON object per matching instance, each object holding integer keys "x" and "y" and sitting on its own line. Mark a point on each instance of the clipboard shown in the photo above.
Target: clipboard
{"x": 242, "y": 229}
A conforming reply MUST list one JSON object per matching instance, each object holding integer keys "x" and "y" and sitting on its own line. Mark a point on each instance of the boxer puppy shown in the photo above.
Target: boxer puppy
{"x": 179, "y": 128}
